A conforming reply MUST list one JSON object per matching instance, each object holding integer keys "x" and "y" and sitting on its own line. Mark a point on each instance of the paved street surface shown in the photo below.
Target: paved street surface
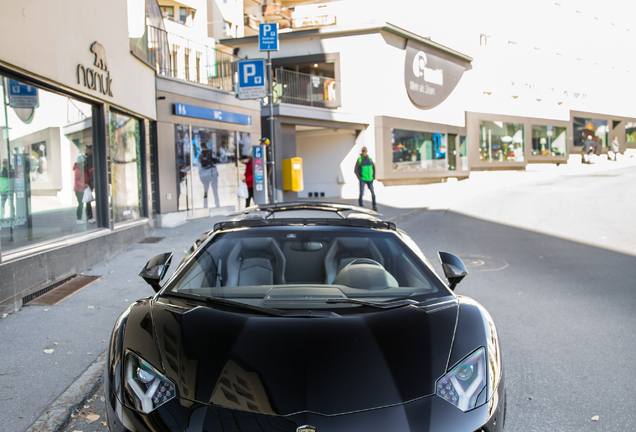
{"x": 551, "y": 253}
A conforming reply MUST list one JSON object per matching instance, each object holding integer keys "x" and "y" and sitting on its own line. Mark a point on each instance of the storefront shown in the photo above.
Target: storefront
{"x": 203, "y": 136}
{"x": 510, "y": 142}
{"x": 602, "y": 128}
{"x": 74, "y": 148}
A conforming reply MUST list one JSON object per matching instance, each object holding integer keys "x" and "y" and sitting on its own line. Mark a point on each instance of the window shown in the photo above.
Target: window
{"x": 45, "y": 165}
{"x": 125, "y": 167}
{"x": 462, "y": 160}
{"x": 630, "y": 132}
{"x": 167, "y": 12}
{"x": 549, "y": 140}
{"x": 183, "y": 15}
{"x": 418, "y": 151}
{"x": 501, "y": 142}
{"x": 584, "y": 127}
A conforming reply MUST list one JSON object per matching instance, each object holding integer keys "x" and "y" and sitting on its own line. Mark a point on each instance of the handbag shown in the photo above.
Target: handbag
{"x": 242, "y": 190}
{"x": 88, "y": 195}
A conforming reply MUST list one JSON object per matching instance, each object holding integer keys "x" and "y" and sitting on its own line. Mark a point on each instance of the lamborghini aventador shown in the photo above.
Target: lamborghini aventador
{"x": 305, "y": 317}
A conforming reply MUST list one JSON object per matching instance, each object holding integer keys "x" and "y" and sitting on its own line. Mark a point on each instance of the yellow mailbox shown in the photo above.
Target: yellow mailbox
{"x": 293, "y": 174}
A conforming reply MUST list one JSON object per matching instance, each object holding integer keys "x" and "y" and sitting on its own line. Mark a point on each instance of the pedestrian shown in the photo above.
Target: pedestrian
{"x": 616, "y": 147}
{"x": 83, "y": 169}
{"x": 248, "y": 178}
{"x": 588, "y": 148}
{"x": 598, "y": 146}
{"x": 7, "y": 185}
{"x": 365, "y": 171}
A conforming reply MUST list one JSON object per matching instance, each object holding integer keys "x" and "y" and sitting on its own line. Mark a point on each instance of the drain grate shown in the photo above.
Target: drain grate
{"x": 60, "y": 293}
{"x": 27, "y": 298}
{"x": 152, "y": 240}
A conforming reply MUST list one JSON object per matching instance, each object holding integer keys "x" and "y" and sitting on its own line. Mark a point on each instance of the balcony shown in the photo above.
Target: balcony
{"x": 304, "y": 89}
{"x": 177, "y": 57}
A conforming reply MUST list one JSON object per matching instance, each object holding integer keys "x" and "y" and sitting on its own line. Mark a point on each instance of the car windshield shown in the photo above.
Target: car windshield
{"x": 307, "y": 267}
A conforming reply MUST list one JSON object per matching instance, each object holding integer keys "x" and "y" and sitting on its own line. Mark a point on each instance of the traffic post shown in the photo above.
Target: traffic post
{"x": 268, "y": 41}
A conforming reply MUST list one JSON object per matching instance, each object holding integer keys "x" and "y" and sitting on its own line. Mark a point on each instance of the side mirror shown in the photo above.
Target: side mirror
{"x": 454, "y": 268}
{"x": 155, "y": 270}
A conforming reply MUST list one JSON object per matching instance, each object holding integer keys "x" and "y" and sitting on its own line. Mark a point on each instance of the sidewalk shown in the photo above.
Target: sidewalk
{"x": 77, "y": 330}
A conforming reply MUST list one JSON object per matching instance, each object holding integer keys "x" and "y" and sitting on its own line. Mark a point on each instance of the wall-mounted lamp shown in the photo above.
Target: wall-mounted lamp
{"x": 161, "y": 97}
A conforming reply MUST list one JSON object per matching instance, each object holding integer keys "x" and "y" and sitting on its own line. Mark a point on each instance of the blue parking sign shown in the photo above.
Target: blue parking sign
{"x": 268, "y": 37}
{"x": 251, "y": 79}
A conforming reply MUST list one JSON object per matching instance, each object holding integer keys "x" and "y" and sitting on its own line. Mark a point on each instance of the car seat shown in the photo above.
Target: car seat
{"x": 343, "y": 250}
{"x": 255, "y": 261}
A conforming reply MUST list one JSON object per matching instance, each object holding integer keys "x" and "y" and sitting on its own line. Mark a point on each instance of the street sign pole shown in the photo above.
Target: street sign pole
{"x": 268, "y": 41}
{"x": 271, "y": 125}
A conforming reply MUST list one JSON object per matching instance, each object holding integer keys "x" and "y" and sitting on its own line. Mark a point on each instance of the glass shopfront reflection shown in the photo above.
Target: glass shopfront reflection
{"x": 630, "y": 133}
{"x": 501, "y": 142}
{"x": 549, "y": 140}
{"x": 208, "y": 166}
{"x": 418, "y": 151}
{"x": 584, "y": 127}
{"x": 125, "y": 167}
{"x": 46, "y": 154}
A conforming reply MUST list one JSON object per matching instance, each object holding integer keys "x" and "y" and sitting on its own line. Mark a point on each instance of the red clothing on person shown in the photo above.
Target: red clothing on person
{"x": 249, "y": 174}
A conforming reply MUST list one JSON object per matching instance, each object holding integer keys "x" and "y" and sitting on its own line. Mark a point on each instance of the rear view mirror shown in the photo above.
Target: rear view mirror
{"x": 454, "y": 268}
{"x": 155, "y": 270}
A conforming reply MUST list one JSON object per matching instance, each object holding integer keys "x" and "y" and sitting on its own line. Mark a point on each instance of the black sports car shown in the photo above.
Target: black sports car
{"x": 305, "y": 317}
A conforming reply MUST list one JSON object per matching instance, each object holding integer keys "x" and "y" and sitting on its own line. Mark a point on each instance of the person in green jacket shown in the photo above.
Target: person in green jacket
{"x": 365, "y": 171}
{"x": 7, "y": 179}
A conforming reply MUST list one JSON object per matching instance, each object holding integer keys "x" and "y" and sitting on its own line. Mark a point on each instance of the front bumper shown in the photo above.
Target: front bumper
{"x": 424, "y": 415}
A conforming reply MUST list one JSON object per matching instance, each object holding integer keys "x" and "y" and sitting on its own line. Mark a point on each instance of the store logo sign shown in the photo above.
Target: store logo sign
{"x": 98, "y": 80}
{"x": 430, "y": 75}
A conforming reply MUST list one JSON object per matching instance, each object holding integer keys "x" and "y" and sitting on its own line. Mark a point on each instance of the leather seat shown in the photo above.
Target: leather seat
{"x": 256, "y": 261}
{"x": 343, "y": 250}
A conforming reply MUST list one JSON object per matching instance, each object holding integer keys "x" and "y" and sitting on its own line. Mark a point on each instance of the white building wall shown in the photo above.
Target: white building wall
{"x": 49, "y": 39}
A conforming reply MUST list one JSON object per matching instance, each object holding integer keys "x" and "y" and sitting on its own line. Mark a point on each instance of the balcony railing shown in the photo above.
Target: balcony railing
{"x": 304, "y": 89}
{"x": 178, "y": 57}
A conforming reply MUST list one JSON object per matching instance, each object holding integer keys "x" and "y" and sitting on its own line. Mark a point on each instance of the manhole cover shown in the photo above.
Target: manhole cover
{"x": 152, "y": 240}
{"x": 483, "y": 263}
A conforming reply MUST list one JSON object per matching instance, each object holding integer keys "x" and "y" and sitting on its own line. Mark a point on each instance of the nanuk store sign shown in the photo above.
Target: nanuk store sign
{"x": 430, "y": 75}
{"x": 98, "y": 80}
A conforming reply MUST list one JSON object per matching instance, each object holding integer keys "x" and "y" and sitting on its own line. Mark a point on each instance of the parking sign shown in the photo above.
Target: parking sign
{"x": 22, "y": 95}
{"x": 251, "y": 79}
{"x": 268, "y": 37}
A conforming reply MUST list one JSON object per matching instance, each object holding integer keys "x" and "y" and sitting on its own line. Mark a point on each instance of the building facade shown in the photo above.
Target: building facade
{"x": 77, "y": 112}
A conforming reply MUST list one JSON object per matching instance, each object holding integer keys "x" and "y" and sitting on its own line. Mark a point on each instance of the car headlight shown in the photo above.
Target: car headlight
{"x": 463, "y": 384}
{"x": 147, "y": 388}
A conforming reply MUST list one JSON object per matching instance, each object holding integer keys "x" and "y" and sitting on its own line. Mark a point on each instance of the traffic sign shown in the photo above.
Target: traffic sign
{"x": 22, "y": 95}
{"x": 251, "y": 79}
{"x": 268, "y": 37}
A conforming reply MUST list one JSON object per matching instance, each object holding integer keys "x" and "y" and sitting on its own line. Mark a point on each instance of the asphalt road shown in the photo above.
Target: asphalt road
{"x": 553, "y": 258}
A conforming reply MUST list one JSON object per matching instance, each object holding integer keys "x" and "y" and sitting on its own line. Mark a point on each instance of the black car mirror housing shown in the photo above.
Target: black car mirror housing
{"x": 155, "y": 269}
{"x": 454, "y": 268}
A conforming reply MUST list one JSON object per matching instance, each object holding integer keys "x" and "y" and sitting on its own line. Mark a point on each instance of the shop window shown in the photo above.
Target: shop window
{"x": 125, "y": 167}
{"x": 630, "y": 133}
{"x": 462, "y": 161}
{"x": 46, "y": 164}
{"x": 207, "y": 166}
{"x": 549, "y": 140}
{"x": 418, "y": 151}
{"x": 584, "y": 127}
{"x": 501, "y": 142}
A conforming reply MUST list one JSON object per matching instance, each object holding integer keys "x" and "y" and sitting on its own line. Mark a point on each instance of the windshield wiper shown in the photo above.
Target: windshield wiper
{"x": 232, "y": 303}
{"x": 379, "y": 305}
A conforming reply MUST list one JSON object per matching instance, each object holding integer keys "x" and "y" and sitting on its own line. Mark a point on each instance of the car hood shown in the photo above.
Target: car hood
{"x": 288, "y": 365}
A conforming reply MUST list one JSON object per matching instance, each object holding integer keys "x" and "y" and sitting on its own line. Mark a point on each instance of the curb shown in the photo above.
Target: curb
{"x": 58, "y": 414}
